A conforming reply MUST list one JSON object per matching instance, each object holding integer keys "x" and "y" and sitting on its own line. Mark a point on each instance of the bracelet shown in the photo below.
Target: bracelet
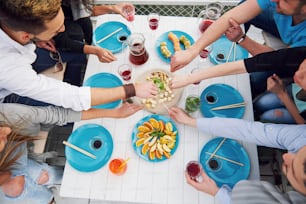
{"x": 129, "y": 90}
{"x": 241, "y": 39}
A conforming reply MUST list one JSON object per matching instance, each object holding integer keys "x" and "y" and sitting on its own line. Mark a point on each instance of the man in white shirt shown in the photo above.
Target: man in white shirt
{"x": 288, "y": 137}
{"x": 24, "y": 21}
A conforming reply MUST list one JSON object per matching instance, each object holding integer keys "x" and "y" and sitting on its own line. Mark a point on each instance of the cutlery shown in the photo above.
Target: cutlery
{"x": 226, "y": 159}
{"x": 235, "y": 105}
{"x": 218, "y": 147}
{"x": 79, "y": 149}
{"x": 109, "y": 35}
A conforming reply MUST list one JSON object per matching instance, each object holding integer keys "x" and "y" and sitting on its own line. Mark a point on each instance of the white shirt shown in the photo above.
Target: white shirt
{"x": 17, "y": 76}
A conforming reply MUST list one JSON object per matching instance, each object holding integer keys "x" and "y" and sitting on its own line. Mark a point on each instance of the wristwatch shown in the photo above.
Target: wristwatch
{"x": 241, "y": 39}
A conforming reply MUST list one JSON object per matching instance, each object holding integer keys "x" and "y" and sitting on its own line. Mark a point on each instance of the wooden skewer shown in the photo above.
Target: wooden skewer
{"x": 165, "y": 106}
{"x": 124, "y": 163}
{"x": 79, "y": 149}
{"x": 218, "y": 147}
{"x": 226, "y": 159}
{"x": 235, "y": 105}
{"x": 109, "y": 35}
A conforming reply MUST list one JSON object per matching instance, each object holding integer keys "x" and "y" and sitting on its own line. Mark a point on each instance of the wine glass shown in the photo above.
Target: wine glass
{"x": 129, "y": 13}
{"x": 204, "y": 53}
{"x": 153, "y": 20}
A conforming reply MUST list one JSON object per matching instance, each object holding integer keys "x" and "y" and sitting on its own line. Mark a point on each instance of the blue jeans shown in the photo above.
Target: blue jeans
{"x": 41, "y": 194}
{"x": 269, "y": 108}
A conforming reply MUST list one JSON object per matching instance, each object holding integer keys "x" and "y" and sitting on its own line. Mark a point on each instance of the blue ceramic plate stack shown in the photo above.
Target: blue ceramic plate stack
{"x": 164, "y": 38}
{"x": 113, "y": 43}
{"x": 221, "y": 95}
{"x": 104, "y": 80}
{"x": 87, "y": 137}
{"x": 223, "y": 171}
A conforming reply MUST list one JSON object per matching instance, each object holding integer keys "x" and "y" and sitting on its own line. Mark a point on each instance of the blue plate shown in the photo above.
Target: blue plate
{"x": 84, "y": 137}
{"x": 112, "y": 43}
{"x": 104, "y": 80}
{"x": 223, "y": 46}
{"x": 164, "y": 38}
{"x": 225, "y": 172}
{"x": 135, "y": 131}
{"x": 223, "y": 95}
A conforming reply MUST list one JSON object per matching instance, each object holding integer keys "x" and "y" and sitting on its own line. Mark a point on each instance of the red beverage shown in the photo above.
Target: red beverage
{"x": 130, "y": 17}
{"x": 153, "y": 23}
{"x": 204, "y": 25}
{"x": 138, "y": 54}
{"x": 126, "y": 75}
{"x": 116, "y": 168}
{"x": 204, "y": 53}
{"x": 194, "y": 169}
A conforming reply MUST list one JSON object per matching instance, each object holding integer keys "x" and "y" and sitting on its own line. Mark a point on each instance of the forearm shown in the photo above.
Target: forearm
{"x": 106, "y": 95}
{"x": 291, "y": 107}
{"x": 100, "y": 113}
{"x": 242, "y": 13}
{"x": 90, "y": 49}
{"x": 225, "y": 69}
{"x": 254, "y": 47}
{"x": 102, "y": 9}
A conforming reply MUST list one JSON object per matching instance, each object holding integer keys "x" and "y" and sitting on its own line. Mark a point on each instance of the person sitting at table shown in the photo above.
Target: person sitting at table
{"x": 288, "y": 137}
{"x": 24, "y": 21}
{"x": 19, "y": 176}
{"x": 289, "y": 17}
{"x": 289, "y": 60}
{"x": 76, "y": 41}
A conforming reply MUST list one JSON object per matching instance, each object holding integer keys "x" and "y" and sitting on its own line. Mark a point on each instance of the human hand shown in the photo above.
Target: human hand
{"x": 180, "y": 59}
{"x": 275, "y": 85}
{"x": 234, "y": 32}
{"x": 207, "y": 185}
{"x": 105, "y": 55}
{"x": 119, "y": 9}
{"x": 128, "y": 109}
{"x": 146, "y": 89}
{"x": 181, "y": 116}
{"x": 48, "y": 45}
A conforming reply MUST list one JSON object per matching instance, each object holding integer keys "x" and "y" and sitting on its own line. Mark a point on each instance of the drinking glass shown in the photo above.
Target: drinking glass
{"x": 129, "y": 12}
{"x": 205, "y": 53}
{"x": 125, "y": 71}
{"x": 116, "y": 167}
{"x": 192, "y": 103}
{"x": 194, "y": 170}
{"x": 153, "y": 20}
{"x": 194, "y": 70}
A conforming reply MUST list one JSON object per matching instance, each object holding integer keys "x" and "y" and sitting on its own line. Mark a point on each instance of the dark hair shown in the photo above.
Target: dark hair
{"x": 28, "y": 15}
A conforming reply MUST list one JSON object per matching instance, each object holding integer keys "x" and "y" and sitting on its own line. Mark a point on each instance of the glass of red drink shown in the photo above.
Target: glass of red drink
{"x": 125, "y": 71}
{"x": 153, "y": 19}
{"x": 194, "y": 170}
{"x": 205, "y": 53}
{"x": 129, "y": 12}
{"x": 117, "y": 166}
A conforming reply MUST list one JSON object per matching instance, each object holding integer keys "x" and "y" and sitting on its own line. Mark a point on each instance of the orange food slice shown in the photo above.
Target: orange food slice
{"x": 145, "y": 148}
{"x": 148, "y": 125}
{"x": 161, "y": 125}
{"x": 167, "y": 154}
{"x": 154, "y": 123}
{"x": 142, "y": 128}
{"x": 158, "y": 155}
{"x": 152, "y": 155}
{"x": 140, "y": 134}
{"x": 139, "y": 142}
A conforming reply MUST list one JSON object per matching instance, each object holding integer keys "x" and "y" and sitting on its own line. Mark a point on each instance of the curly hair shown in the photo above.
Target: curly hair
{"x": 28, "y": 15}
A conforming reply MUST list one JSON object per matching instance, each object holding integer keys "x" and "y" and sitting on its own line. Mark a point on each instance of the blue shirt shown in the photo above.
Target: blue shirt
{"x": 294, "y": 36}
{"x": 287, "y": 137}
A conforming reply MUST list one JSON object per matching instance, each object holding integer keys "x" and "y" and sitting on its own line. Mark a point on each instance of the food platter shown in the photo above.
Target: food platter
{"x": 155, "y": 138}
{"x": 170, "y": 45}
{"x": 166, "y": 96}
{"x": 221, "y": 95}
{"x": 232, "y": 162}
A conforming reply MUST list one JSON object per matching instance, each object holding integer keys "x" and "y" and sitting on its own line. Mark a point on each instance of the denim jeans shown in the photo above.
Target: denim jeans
{"x": 40, "y": 194}
{"x": 269, "y": 108}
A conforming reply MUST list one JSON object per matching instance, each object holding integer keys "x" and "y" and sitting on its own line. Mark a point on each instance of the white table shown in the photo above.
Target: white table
{"x": 149, "y": 182}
